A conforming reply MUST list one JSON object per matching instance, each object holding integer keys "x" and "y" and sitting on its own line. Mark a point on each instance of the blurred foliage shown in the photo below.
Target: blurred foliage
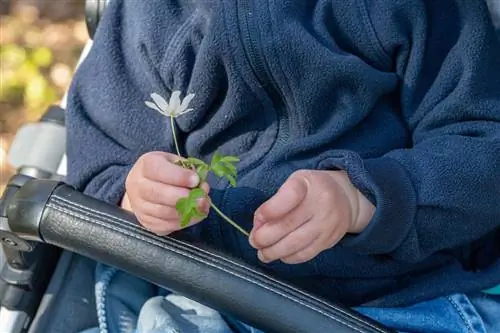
{"x": 24, "y": 77}
{"x": 37, "y": 58}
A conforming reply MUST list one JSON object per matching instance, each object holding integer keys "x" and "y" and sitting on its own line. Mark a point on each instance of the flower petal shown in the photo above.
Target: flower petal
{"x": 154, "y": 107}
{"x": 184, "y": 112}
{"x": 160, "y": 101}
{"x": 174, "y": 103}
{"x": 185, "y": 102}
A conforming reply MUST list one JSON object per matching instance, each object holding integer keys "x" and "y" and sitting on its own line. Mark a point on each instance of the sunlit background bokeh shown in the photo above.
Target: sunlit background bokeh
{"x": 40, "y": 42}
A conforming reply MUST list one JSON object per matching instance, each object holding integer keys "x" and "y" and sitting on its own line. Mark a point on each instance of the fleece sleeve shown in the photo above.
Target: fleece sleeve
{"x": 106, "y": 120}
{"x": 444, "y": 190}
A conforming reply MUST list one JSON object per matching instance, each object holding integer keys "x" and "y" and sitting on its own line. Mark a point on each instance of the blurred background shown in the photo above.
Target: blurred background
{"x": 40, "y": 42}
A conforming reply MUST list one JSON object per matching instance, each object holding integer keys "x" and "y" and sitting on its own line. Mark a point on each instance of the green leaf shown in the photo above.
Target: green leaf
{"x": 202, "y": 171}
{"x": 230, "y": 159}
{"x": 230, "y": 168}
{"x": 216, "y": 158}
{"x": 186, "y": 218}
{"x": 232, "y": 180}
{"x": 183, "y": 208}
{"x": 196, "y": 194}
{"x": 188, "y": 209}
{"x": 218, "y": 170}
{"x": 228, "y": 171}
{"x": 223, "y": 166}
{"x": 195, "y": 161}
{"x": 199, "y": 166}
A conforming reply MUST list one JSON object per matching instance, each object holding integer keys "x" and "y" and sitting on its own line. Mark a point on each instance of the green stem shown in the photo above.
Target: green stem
{"x": 225, "y": 217}
{"x": 175, "y": 137}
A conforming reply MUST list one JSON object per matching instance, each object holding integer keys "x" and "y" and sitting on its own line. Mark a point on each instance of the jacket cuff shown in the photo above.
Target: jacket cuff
{"x": 387, "y": 185}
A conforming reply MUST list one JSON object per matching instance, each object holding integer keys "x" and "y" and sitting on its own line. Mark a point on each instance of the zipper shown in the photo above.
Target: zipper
{"x": 100, "y": 296}
{"x": 256, "y": 59}
{"x": 249, "y": 36}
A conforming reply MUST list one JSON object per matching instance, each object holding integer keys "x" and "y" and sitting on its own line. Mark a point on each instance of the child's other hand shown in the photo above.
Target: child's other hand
{"x": 154, "y": 185}
{"x": 311, "y": 212}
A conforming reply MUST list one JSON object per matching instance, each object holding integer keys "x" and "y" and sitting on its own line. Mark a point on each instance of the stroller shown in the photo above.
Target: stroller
{"x": 51, "y": 234}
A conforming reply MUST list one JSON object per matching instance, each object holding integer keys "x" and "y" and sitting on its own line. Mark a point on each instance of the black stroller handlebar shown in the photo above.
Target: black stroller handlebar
{"x": 54, "y": 213}
{"x": 94, "y": 9}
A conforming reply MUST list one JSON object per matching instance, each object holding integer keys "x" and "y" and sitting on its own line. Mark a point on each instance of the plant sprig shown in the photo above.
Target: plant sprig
{"x": 221, "y": 166}
{"x": 188, "y": 207}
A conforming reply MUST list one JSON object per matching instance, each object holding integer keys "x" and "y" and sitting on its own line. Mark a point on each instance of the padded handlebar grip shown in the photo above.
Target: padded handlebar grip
{"x": 57, "y": 214}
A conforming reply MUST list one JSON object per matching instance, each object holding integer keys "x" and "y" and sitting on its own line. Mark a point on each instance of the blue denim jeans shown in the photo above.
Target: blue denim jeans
{"x": 126, "y": 304}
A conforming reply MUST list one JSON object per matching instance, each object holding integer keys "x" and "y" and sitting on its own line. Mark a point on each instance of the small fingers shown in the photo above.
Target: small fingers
{"x": 160, "y": 167}
{"x": 303, "y": 255}
{"x": 272, "y": 232}
{"x": 205, "y": 187}
{"x": 165, "y": 213}
{"x": 295, "y": 242}
{"x": 170, "y": 222}
{"x": 309, "y": 252}
{"x": 289, "y": 196}
{"x": 158, "y": 226}
{"x": 160, "y": 193}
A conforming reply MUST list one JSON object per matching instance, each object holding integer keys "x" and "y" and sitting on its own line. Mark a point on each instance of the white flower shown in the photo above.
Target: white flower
{"x": 174, "y": 107}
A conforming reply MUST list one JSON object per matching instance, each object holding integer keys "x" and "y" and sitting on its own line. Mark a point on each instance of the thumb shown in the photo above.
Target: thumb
{"x": 288, "y": 197}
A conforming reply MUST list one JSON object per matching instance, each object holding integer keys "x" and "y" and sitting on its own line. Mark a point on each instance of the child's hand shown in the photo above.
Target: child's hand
{"x": 311, "y": 212}
{"x": 153, "y": 187}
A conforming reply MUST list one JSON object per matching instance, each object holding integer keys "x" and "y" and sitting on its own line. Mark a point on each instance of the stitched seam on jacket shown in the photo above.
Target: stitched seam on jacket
{"x": 162, "y": 245}
{"x": 175, "y": 44}
{"x": 381, "y": 52}
{"x": 87, "y": 210}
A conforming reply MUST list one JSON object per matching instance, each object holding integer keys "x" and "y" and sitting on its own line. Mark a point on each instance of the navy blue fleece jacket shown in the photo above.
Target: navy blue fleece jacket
{"x": 402, "y": 94}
